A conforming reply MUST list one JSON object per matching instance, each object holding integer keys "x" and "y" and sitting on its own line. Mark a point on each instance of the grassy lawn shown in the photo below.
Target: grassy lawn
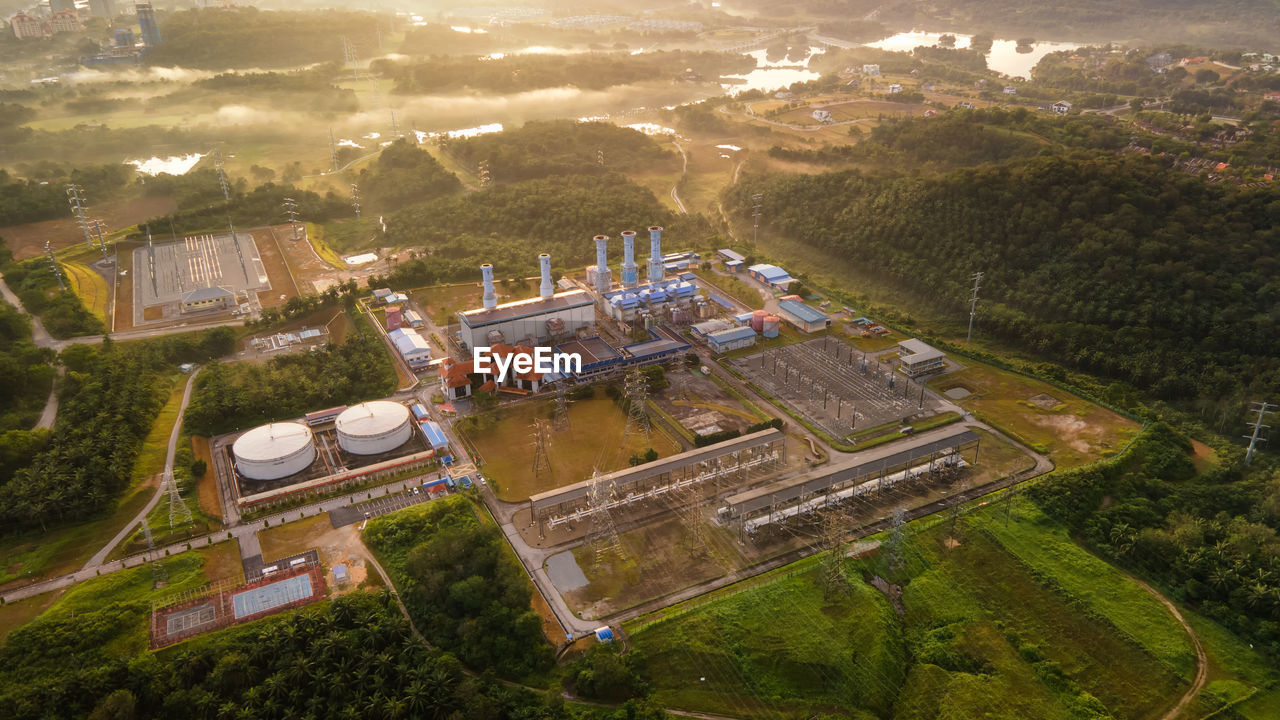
{"x": 295, "y": 537}
{"x": 982, "y": 634}
{"x": 503, "y": 440}
{"x": 91, "y": 288}
{"x": 1071, "y": 430}
{"x": 740, "y": 290}
{"x": 316, "y": 236}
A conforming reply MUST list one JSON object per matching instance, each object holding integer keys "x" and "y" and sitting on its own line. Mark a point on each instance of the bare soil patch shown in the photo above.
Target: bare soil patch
{"x": 1044, "y": 400}
{"x": 28, "y": 240}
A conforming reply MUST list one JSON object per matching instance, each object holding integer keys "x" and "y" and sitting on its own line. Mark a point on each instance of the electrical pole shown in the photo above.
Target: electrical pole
{"x": 291, "y": 209}
{"x": 76, "y": 199}
{"x": 1263, "y": 409}
{"x": 755, "y": 217}
{"x": 973, "y": 304}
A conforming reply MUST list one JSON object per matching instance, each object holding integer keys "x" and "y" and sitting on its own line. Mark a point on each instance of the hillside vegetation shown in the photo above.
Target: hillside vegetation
{"x": 1112, "y": 265}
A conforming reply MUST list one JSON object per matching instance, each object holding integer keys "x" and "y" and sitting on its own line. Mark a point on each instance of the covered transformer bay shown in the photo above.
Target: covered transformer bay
{"x": 372, "y": 428}
{"x": 274, "y": 451}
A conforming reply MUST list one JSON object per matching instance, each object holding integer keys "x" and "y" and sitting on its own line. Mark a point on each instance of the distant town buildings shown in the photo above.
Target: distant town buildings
{"x": 1062, "y": 107}
{"x": 65, "y": 21}
{"x": 822, "y": 116}
{"x": 102, "y": 8}
{"x": 25, "y": 26}
{"x": 871, "y": 70}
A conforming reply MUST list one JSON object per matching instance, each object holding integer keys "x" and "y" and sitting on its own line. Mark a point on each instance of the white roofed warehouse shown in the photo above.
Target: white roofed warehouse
{"x": 274, "y": 451}
{"x": 373, "y": 428}
{"x": 917, "y": 358}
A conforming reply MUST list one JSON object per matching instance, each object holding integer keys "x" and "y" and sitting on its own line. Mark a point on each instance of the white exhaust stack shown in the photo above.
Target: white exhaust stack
{"x": 604, "y": 278}
{"x": 630, "y": 273}
{"x": 546, "y": 290}
{"x": 490, "y": 299}
{"x": 655, "y": 253}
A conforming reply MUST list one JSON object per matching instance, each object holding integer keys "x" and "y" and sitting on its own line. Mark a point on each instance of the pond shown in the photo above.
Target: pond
{"x": 1004, "y": 57}
{"x": 173, "y": 165}
{"x": 771, "y": 75}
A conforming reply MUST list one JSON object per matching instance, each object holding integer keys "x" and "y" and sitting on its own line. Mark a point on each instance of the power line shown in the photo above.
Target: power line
{"x": 1263, "y": 409}
{"x": 755, "y": 217}
{"x": 973, "y": 304}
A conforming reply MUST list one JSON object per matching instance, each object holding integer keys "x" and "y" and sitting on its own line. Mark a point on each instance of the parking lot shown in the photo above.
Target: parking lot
{"x": 836, "y": 386}
{"x": 360, "y": 512}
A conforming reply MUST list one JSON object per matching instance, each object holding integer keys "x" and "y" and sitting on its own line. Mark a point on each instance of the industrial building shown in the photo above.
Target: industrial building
{"x": 148, "y": 24}
{"x": 274, "y": 451}
{"x": 729, "y": 463}
{"x": 802, "y": 316}
{"x": 373, "y": 428}
{"x": 723, "y": 341}
{"x": 414, "y": 348}
{"x": 548, "y": 318}
{"x": 916, "y": 358}
{"x": 599, "y": 358}
{"x": 209, "y": 298}
{"x": 771, "y": 275}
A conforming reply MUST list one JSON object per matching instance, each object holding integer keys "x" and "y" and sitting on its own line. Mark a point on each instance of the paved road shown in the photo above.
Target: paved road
{"x": 237, "y": 532}
{"x": 161, "y": 489}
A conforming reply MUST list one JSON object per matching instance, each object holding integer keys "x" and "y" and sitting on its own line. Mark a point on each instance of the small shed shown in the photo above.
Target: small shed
{"x": 340, "y": 574}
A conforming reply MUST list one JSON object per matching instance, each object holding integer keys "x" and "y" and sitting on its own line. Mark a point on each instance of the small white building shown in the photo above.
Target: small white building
{"x": 210, "y": 298}
{"x": 871, "y": 70}
{"x": 1062, "y": 107}
{"x": 917, "y": 358}
{"x": 895, "y": 88}
{"x": 822, "y": 116}
{"x": 414, "y": 348}
{"x": 1010, "y": 90}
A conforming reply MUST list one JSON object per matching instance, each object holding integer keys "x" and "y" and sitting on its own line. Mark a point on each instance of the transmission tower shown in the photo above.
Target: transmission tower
{"x": 600, "y": 158}
{"x": 97, "y": 231}
{"x": 637, "y": 392}
{"x": 395, "y": 127}
{"x": 602, "y": 535}
{"x": 53, "y": 263}
{"x": 1263, "y": 409}
{"x": 755, "y": 216}
{"x": 355, "y": 199}
{"x": 159, "y": 575}
{"x": 896, "y": 539}
{"x": 291, "y": 210}
{"x": 486, "y": 178}
{"x": 541, "y": 458}
{"x": 835, "y": 524}
{"x": 151, "y": 263}
{"x": 349, "y": 57}
{"x": 560, "y": 413}
{"x": 333, "y": 153}
{"x": 179, "y": 513}
{"x": 76, "y": 199}
{"x": 222, "y": 176}
{"x": 688, "y": 504}
{"x": 973, "y": 304}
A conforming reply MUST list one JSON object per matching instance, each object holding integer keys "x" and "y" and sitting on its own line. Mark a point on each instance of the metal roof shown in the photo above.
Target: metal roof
{"x": 730, "y": 255}
{"x": 919, "y": 352}
{"x": 772, "y": 273}
{"x": 801, "y": 311}
{"x": 724, "y": 336}
{"x": 409, "y": 341}
{"x": 209, "y": 293}
{"x": 524, "y": 308}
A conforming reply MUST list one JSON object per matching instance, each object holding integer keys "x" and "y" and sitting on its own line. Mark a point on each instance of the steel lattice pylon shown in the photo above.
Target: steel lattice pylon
{"x": 179, "y": 513}
{"x": 541, "y": 458}
{"x": 159, "y": 575}
{"x": 560, "y": 413}
{"x": 637, "y": 392}
{"x": 602, "y": 535}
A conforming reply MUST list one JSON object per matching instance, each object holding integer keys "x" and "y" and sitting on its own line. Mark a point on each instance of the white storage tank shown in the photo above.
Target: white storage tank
{"x": 373, "y": 427}
{"x": 274, "y": 451}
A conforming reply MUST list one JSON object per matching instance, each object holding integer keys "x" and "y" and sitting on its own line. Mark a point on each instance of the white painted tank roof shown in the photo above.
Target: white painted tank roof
{"x": 272, "y": 442}
{"x": 371, "y": 419}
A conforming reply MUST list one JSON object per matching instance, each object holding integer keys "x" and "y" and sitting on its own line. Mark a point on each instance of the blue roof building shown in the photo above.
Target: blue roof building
{"x": 731, "y": 339}
{"x": 771, "y": 275}
{"x": 802, "y": 316}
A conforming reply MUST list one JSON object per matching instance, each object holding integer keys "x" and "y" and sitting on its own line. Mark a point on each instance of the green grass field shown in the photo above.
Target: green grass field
{"x": 1070, "y": 430}
{"x": 91, "y": 288}
{"x": 983, "y": 633}
{"x": 593, "y": 442}
{"x": 739, "y": 289}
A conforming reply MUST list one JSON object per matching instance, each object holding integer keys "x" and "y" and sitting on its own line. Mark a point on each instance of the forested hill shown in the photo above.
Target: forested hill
{"x": 1113, "y": 265}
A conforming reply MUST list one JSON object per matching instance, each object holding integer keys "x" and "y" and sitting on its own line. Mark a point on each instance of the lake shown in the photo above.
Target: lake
{"x": 1003, "y": 58}
{"x": 174, "y": 165}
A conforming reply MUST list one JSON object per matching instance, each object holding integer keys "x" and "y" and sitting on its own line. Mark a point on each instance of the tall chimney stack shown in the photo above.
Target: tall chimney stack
{"x": 630, "y": 273}
{"x": 490, "y": 299}
{"x": 604, "y": 278}
{"x": 546, "y": 290}
{"x": 655, "y": 253}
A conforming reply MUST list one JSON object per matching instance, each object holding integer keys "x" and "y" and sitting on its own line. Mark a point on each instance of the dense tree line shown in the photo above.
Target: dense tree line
{"x": 1209, "y": 537}
{"x": 510, "y": 224}
{"x": 43, "y": 195}
{"x": 247, "y": 208}
{"x": 26, "y": 377}
{"x": 519, "y": 73}
{"x": 563, "y": 147}
{"x": 1112, "y": 265}
{"x": 248, "y": 37}
{"x": 60, "y": 311}
{"x": 352, "y": 657}
{"x": 107, "y": 403}
{"x": 462, "y": 586}
{"x": 234, "y": 396}
{"x": 405, "y": 174}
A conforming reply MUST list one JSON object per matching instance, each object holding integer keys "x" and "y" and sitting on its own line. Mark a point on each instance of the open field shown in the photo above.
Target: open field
{"x": 334, "y": 545}
{"x": 591, "y": 443}
{"x": 977, "y": 632}
{"x": 207, "y": 484}
{"x": 1071, "y": 430}
{"x": 92, "y": 289}
{"x": 28, "y": 240}
{"x": 283, "y": 287}
{"x": 737, "y": 288}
